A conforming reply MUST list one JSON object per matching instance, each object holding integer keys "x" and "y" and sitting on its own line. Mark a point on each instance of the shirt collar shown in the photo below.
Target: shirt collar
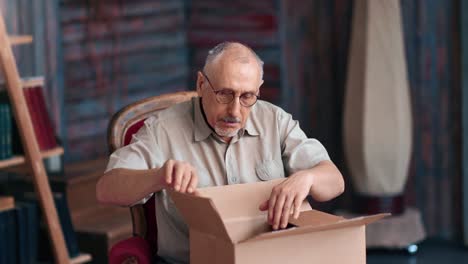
{"x": 202, "y": 130}
{"x": 250, "y": 127}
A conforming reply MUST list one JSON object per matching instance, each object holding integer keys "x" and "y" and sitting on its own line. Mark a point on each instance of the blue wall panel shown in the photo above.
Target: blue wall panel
{"x": 115, "y": 53}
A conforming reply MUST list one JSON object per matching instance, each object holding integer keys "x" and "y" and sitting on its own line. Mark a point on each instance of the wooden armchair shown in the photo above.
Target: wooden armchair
{"x": 142, "y": 247}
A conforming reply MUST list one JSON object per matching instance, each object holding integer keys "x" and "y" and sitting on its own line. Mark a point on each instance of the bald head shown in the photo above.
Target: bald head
{"x": 229, "y": 52}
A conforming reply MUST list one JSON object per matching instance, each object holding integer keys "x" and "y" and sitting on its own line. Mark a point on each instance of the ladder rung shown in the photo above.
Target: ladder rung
{"x": 22, "y": 39}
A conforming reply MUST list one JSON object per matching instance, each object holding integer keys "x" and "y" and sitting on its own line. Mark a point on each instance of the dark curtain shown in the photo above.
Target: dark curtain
{"x": 316, "y": 50}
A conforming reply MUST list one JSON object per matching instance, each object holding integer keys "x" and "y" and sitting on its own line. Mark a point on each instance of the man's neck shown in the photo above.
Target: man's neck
{"x": 226, "y": 139}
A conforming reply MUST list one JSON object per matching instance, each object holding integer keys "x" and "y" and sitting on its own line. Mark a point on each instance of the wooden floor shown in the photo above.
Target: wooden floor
{"x": 429, "y": 252}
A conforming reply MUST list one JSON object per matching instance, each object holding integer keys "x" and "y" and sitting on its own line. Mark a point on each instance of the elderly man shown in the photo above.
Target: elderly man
{"x": 224, "y": 136}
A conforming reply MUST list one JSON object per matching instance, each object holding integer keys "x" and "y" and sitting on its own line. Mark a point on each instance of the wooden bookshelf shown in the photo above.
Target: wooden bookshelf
{"x": 33, "y": 157}
{"x": 19, "y": 40}
{"x": 18, "y": 160}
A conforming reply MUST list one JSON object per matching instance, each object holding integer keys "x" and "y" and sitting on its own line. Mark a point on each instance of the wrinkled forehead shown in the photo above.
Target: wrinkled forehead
{"x": 237, "y": 71}
{"x": 240, "y": 77}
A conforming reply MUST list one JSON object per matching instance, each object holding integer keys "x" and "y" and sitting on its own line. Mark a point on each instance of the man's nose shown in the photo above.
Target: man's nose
{"x": 235, "y": 106}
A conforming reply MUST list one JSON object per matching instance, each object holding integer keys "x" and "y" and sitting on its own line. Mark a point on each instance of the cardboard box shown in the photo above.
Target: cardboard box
{"x": 226, "y": 226}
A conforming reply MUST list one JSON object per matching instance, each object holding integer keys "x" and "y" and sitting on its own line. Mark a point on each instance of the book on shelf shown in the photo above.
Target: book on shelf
{"x": 65, "y": 222}
{"x": 27, "y": 232}
{"x": 7, "y": 236}
{"x": 11, "y": 236}
{"x": 7, "y": 230}
{"x": 37, "y": 123}
{"x": 19, "y": 222}
{"x": 5, "y": 131}
{"x": 48, "y": 126}
{"x": 18, "y": 233}
{"x": 22, "y": 233}
{"x": 41, "y": 122}
{"x": 23, "y": 190}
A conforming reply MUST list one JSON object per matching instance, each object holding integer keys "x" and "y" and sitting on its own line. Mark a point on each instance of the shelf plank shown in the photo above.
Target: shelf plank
{"x": 20, "y": 39}
{"x": 32, "y": 81}
{"x": 52, "y": 152}
{"x": 81, "y": 258}
{"x": 17, "y": 160}
{"x": 28, "y": 82}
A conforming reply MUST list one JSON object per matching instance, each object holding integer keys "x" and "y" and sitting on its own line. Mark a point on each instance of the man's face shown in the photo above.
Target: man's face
{"x": 237, "y": 76}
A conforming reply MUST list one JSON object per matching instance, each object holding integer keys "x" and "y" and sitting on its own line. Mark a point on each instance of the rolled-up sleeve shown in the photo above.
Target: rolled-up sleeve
{"x": 142, "y": 152}
{"x": 298, "y": 151}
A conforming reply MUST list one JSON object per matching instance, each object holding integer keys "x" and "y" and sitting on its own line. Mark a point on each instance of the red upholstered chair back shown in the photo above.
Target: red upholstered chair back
{"x": 123, "y": 125}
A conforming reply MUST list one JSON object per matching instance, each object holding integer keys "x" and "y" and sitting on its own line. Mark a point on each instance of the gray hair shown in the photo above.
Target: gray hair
{"x": 218, "y": 49}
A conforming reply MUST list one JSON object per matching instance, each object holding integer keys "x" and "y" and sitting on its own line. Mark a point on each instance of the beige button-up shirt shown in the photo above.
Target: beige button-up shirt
{"x": 271, "y": 145}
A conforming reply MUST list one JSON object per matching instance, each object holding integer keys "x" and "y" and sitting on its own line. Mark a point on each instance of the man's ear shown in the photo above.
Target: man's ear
{"x": 200, "y": 80}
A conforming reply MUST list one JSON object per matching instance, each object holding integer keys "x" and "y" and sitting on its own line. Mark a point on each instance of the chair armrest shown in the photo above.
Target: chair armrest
{"x": 135, "y": 247}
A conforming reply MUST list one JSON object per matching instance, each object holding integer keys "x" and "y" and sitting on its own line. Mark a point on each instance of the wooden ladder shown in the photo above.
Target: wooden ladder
{"x": 33, "y": 156}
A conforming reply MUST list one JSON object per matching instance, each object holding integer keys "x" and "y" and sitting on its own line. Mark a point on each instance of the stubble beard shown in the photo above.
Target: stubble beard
{"x": 222, "y": 132}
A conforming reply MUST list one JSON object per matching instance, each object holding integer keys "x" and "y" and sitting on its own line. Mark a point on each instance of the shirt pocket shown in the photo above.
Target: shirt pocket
{"x": 269, "y": 170}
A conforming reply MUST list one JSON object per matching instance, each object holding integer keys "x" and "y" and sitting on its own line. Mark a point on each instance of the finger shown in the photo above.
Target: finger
{"x": 263, "y": 206}
{"x": 193, "y": 182}
{"x": 271, "y": 207}
{"x": 169, "y": 166}
{"x": 178, "y": 174}
{"x": 185, "y": 179}
{"x": 297, "y": 206}
{"x": 286, "y": 211}
{"x": 278, "y": 210}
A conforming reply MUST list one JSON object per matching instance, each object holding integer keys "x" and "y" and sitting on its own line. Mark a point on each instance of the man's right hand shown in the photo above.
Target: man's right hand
{"x": 180, "y": 176}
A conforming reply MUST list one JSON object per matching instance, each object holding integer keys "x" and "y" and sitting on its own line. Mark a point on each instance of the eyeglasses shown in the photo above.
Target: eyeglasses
{"x": 225, "y": 96}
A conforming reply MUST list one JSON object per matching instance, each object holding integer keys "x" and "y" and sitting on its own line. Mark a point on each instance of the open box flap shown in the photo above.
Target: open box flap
{"x": 241, "y": 229}
{"x": 314, "y": 218}
{"x": 358, "y": 221}
{"x": 238, "y": 207}
{"x": 200, "y": 214}
{"x": 238, "y": 201}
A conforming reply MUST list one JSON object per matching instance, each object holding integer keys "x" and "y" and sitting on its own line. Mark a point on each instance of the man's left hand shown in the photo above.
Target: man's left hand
{"x": 286, "y": 198}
